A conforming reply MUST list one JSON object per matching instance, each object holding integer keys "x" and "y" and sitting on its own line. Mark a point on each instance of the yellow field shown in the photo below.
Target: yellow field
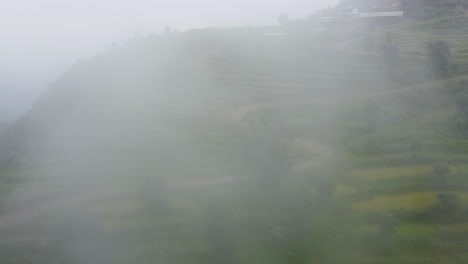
{"x": 345, "y": 190}
{"x": 415, "y": 229}
{"x": 463, "y": 227}
{"x": 415, "y": 200}
{"x": 390, "y": 172}
{"x": 403, "y": 229}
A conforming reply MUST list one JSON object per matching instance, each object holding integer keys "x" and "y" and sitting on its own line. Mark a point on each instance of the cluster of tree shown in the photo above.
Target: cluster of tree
{"x": 462, "y": 109}
{"x": 430, "y": 8}
{"x": 441, "y": 172}
{"x": 446, "y": 208}
{"x": 439, "y": 56}
{"x": 441, "y": 65}
{"x": 435, "y": 3}
{"x": 447, "y": 205}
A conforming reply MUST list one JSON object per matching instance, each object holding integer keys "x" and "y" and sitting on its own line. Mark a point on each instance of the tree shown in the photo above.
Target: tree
{"x": 439, "y": 56}
{"x": 218, "y": 232}
{"x": 167, "y": 30}
{"x": 387, "y": 225}
{"x": 416, "y": 147}
{"x": 371, "y": 116}
{"x": 462, "y": 108}
{"x": 325, "y": 190}
{"x": 266, "y": 154}
{"x": 446, "y": 207}
{"x": 283, "y": 19}
{"x": 441, "y": 171}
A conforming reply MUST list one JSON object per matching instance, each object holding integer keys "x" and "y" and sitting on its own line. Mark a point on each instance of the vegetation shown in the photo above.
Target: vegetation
{"x": 222, "y": 146}
{"x": 439, "y": 54}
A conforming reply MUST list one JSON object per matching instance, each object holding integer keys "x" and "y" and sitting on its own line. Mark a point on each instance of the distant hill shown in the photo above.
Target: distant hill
{"x": 244, "y": 145}
{"x": 187, "y": 74}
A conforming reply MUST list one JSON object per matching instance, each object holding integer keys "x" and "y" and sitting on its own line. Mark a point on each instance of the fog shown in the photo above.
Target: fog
{"x": 42, "y": 39}
{"x": 166, "y": 146}
{"x": 151, "y": 132}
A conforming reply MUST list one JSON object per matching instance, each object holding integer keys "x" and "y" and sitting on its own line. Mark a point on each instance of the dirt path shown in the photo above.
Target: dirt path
{"x": 319, "y": 151}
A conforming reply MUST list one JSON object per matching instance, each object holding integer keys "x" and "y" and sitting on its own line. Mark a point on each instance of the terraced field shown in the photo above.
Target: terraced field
{"x": 187, "y": 169}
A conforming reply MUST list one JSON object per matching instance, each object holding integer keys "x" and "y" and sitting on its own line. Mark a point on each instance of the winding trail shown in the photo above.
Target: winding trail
{"x": 319, "y": 151}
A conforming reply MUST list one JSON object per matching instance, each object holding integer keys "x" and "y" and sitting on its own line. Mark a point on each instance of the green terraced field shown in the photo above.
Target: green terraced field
{"x": 394, "y": 171}
{"x": 310, "y": 105}
{"x": 410, "y": 201}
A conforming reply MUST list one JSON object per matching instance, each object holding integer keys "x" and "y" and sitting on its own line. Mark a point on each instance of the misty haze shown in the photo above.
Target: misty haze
{"x": 249, "y": 132}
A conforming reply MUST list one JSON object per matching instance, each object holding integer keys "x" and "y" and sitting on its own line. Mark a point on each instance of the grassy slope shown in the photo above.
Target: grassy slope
{"x": 395, "y": 182}
{"x": 396, "y": 178}
{"x": 389, "y": 180}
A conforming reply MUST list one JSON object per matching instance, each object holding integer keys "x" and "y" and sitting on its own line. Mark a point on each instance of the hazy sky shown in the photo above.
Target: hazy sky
{"x": 42, "y": 38}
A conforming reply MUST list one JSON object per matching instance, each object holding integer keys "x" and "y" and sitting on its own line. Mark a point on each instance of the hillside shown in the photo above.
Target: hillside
{"x": 235, "y": 146}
